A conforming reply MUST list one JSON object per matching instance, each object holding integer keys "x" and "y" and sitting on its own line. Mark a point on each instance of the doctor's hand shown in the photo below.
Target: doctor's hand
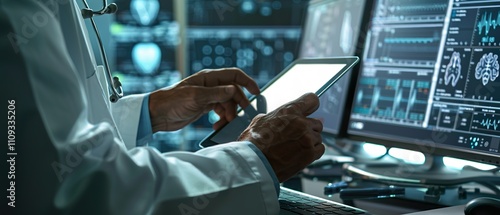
{"x": 289, "y": 140}
{"x": 212, "y": 89}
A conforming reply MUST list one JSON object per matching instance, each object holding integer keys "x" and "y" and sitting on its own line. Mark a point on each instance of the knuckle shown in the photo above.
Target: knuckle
{"x": 301, "y": 123}
{"x": 288, "y": 109}
{"x": 309, "y": 140}
{"x": 286, "y": 123}
{"x": 236, "y": 69}
{"x": 322, "y": 150}
{"x": 202, "y": 72}
{"x": 258, "y": 117}
{"x": 318, "y": 123}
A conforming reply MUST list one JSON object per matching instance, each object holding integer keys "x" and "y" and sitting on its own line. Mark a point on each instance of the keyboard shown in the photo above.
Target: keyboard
{"x": 293, "y": 202}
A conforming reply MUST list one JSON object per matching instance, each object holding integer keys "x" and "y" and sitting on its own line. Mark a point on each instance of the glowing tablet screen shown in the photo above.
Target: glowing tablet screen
{"x": 300, "y": 79}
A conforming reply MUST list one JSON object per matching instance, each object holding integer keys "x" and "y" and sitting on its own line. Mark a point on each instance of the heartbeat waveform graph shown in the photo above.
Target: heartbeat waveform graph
{"x": 413, "y": 8}
{"x": 411, "y": 40}
{"x": 393, "y": 45}
{"x": 486, "y": 123}
{"x": 487, "y": 22}
{"x": 402, "y": 8}
{"x": 392, "y": 99}
{"x": 399, "y": 110}
{"x": 402, "y": 37}
{"x": 489, "y": 123}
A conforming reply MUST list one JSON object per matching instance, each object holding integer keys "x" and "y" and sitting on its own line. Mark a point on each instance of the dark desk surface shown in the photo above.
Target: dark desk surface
{"x": 454, "y": 210}
{"x": 416, "y": 199}
{"x": 386, "y": 206}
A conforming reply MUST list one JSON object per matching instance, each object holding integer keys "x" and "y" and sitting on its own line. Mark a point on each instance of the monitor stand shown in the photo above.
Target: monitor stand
{"x": 351, "y": 148}
{"x": 432, "y": 172}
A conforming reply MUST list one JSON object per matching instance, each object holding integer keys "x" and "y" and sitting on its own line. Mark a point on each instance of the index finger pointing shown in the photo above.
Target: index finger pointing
{"x": 224, "y": 76}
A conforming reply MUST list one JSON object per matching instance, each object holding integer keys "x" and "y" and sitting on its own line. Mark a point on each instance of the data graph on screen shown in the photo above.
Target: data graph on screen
{"x": 395, "y": 83}
{"x": 486, "y": 123}
{"x": 400, "y": 97}
{"x": 488, "y": 22}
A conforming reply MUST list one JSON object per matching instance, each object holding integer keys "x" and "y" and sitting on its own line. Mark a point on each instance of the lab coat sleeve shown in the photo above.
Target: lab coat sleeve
{"x": 145, "y": 131}
{"x": 92, "y": 172}
{"x": 126, "y": 113}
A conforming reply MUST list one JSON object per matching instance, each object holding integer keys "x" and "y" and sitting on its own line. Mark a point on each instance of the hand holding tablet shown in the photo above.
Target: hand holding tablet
{"x": 287, "y": 137}
{"x": 302, "y": 76}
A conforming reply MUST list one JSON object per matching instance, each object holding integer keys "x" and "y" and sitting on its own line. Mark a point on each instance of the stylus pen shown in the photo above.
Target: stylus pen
{"x": 371, "y": 192}
{"x": 333, "y": 188}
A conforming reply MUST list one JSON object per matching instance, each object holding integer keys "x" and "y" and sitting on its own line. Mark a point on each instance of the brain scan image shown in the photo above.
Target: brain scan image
{"x": 487, "y": 68}
{"x": 453, "y": 70}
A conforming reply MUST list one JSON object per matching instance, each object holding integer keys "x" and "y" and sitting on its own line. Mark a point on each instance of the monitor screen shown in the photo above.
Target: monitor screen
{"x": 261, "y": 52}
{"x": 332, "y": 29}
{"x": 145, "y": 39}
{"x": 261, "y": 37}
{"x": 144, "y": 12}
{"x": 428, "y": 79}
{"x": 245, "y": 13}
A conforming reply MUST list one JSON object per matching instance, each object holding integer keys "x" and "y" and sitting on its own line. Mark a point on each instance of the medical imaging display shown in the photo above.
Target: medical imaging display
{"x": 246, "y": 12}
{"x": 261, "y": 52}
{"x": 146, "y": 38}
{"x": 261, "y": 37}
{"x": 422, "y": 74}
{"x": 144, "y": 12}
{"x": 145, "y": 66}
{"x": 322, "y": 38}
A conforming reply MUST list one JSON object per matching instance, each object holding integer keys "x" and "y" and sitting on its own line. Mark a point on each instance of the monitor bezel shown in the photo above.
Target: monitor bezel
{"x": 426, "y": 147}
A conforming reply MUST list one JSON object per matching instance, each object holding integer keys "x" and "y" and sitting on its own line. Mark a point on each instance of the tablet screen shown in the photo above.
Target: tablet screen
{"x": 300, "y": 79}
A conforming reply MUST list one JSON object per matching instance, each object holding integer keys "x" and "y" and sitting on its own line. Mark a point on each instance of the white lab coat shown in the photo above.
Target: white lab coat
{"x": 71, "y": 157}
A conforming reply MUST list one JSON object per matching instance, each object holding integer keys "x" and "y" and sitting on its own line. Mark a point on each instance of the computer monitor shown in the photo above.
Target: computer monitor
{"x": 261, "y": 37}
{"x": 145, "y": 39}
{"x": 428, "y": 82}
{"x": 232, "y": 13}
{"x": 332, "y": 29}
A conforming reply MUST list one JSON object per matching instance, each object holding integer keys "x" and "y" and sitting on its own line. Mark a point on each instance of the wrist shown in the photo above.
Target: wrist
{"x": 156, "y": 122}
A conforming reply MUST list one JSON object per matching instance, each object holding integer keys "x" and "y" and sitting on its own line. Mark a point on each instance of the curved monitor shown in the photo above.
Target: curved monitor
{"x": 332, "y": 29}
{"x": 429, "y": 79}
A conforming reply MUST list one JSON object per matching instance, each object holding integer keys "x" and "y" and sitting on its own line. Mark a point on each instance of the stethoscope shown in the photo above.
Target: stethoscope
{"x": 114, "y": 83}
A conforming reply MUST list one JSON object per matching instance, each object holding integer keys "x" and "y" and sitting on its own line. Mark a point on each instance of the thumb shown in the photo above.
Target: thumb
{"x": 218, "y": 94}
